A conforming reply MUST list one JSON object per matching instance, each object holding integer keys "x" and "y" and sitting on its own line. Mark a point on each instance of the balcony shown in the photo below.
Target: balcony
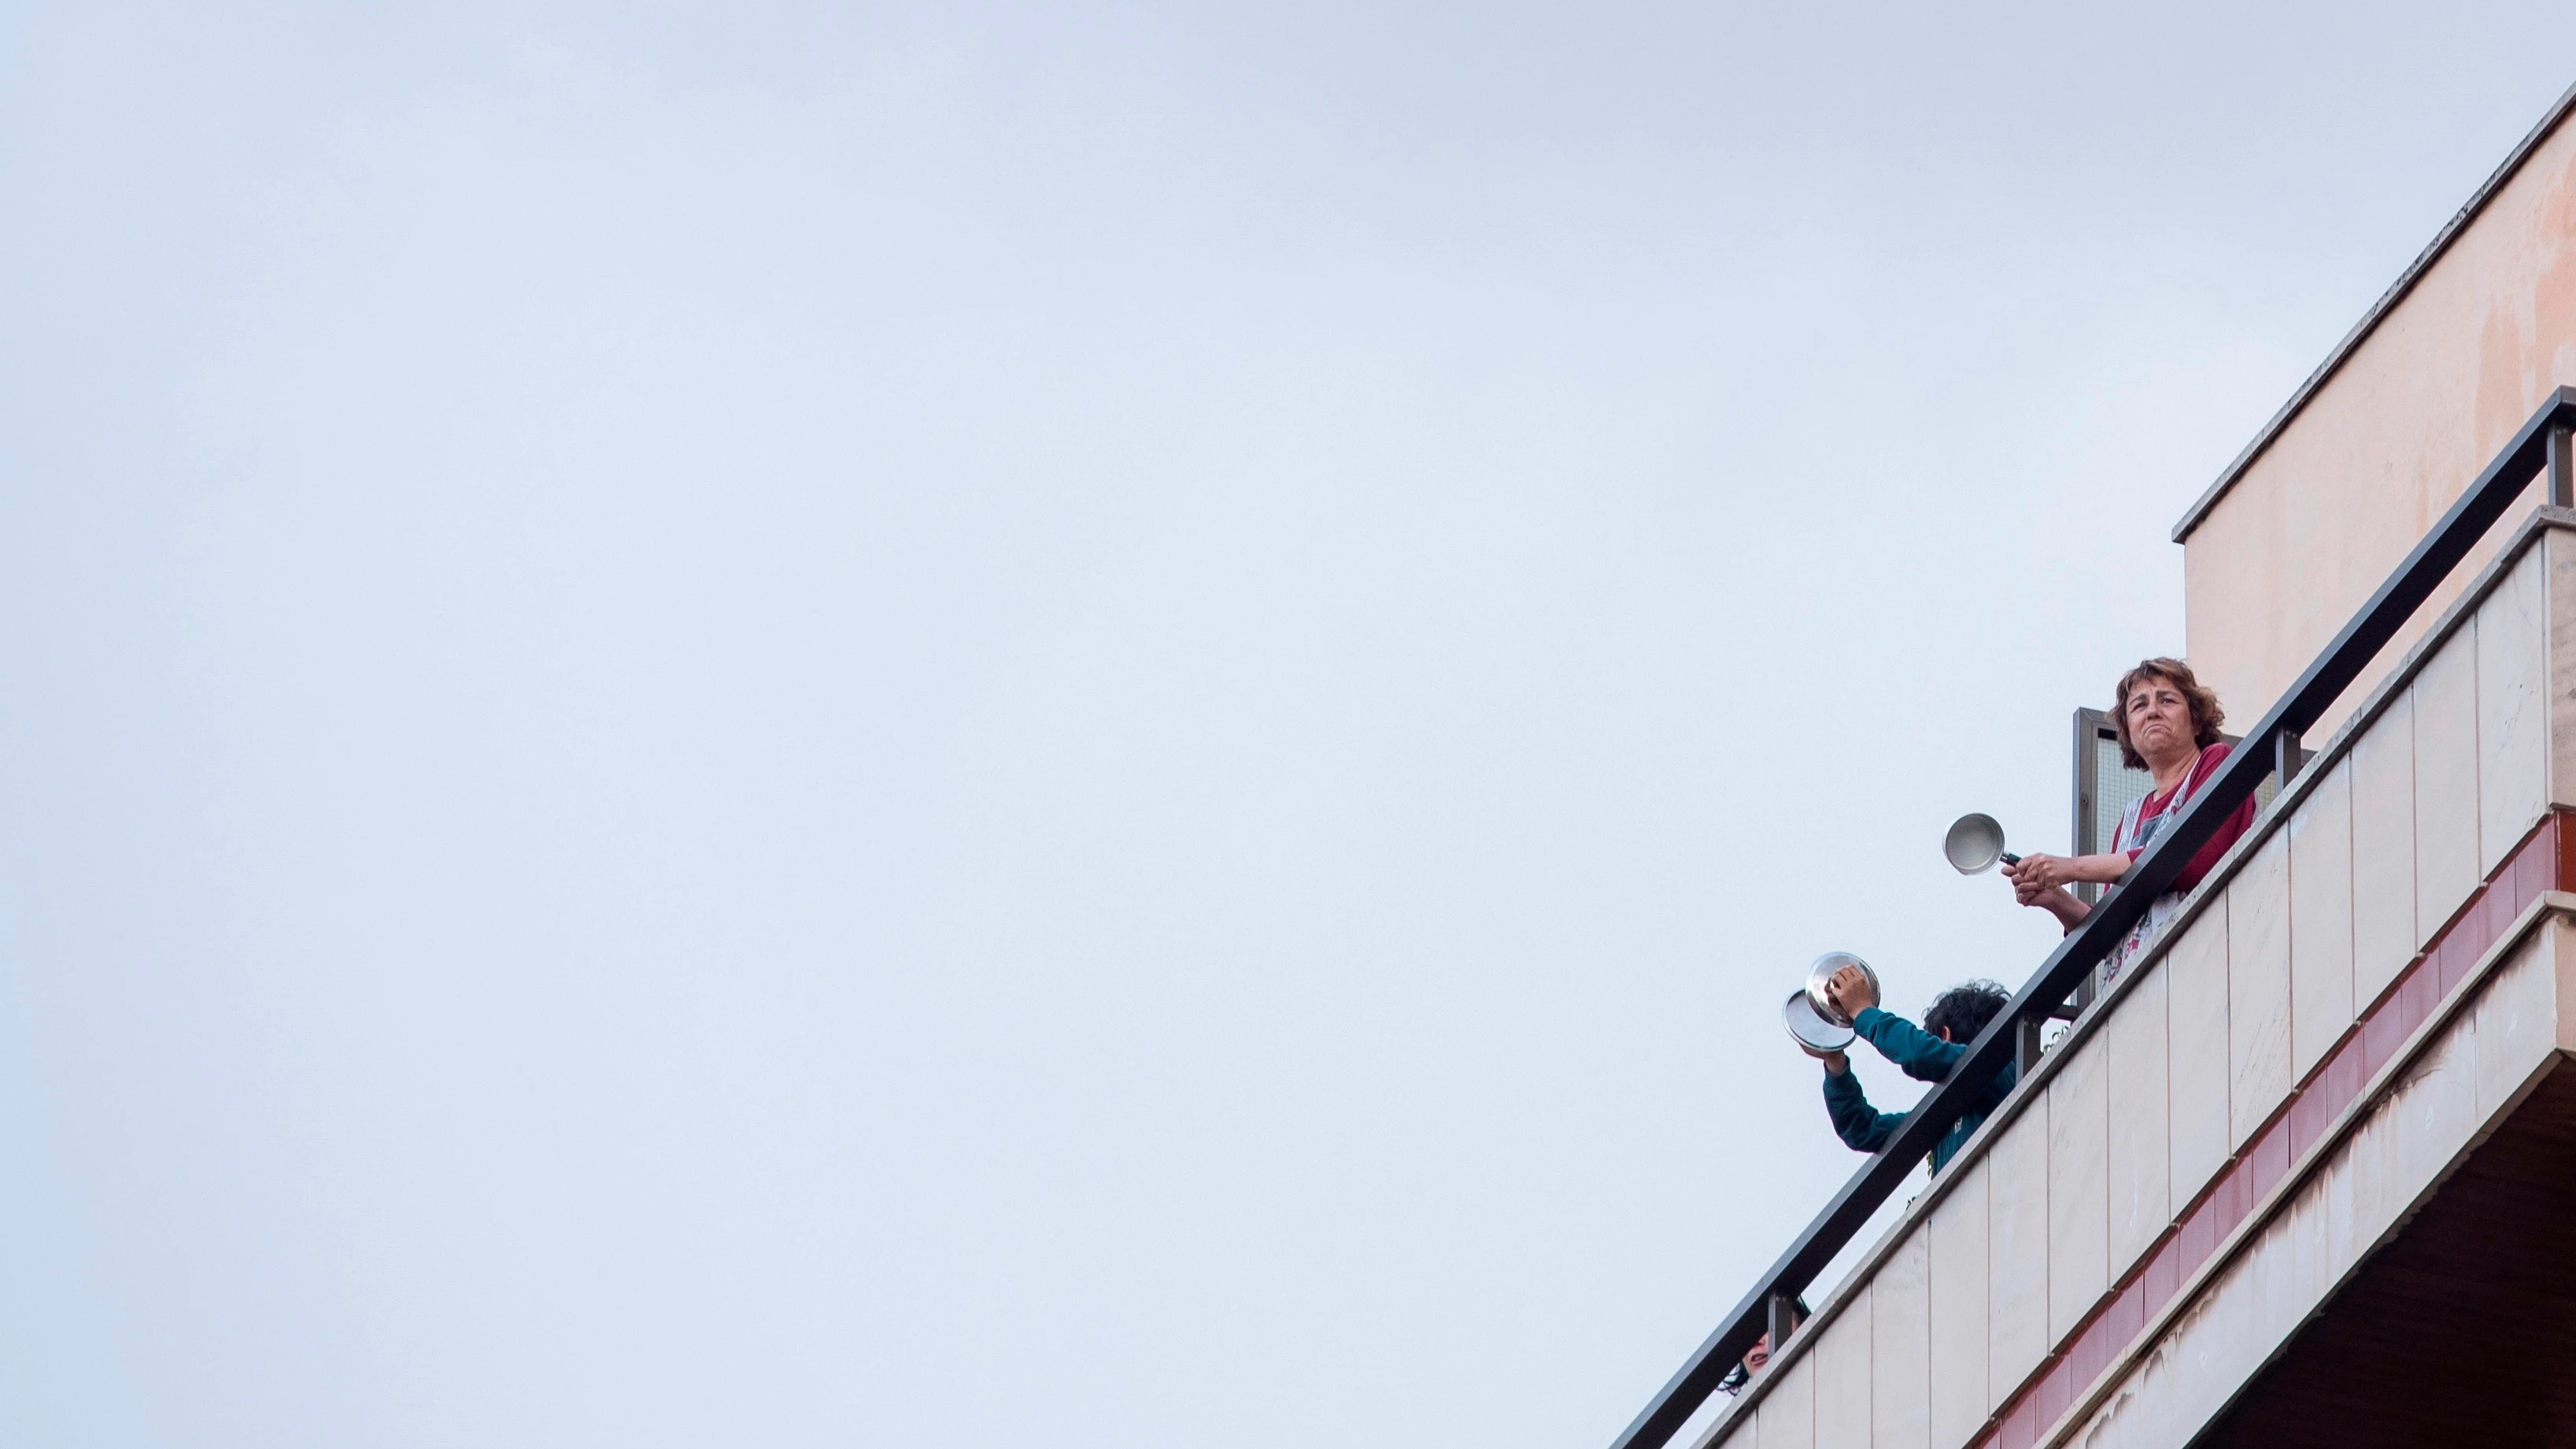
{"x": 2362, "y": 1029}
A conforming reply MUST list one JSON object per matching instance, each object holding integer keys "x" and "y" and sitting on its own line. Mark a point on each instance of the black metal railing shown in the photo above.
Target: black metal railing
{"x": 2271, "y": 746}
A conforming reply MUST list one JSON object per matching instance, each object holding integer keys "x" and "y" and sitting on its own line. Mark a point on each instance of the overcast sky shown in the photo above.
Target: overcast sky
{"x": 1095, "y": 726}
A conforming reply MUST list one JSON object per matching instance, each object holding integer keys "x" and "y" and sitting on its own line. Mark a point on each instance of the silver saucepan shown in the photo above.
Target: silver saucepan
{"x": 1975, "y": 843}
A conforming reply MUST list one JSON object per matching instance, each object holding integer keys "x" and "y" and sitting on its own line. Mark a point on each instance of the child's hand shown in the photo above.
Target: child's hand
{"x": 1850, "y": 991}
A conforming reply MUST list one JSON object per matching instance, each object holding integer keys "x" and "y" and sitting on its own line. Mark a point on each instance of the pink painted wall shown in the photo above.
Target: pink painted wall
{"x": 2287, "y": 554}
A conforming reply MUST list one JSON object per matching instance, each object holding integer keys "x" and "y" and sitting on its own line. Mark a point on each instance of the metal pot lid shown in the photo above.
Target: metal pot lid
{"x": 1814, "y": 1035}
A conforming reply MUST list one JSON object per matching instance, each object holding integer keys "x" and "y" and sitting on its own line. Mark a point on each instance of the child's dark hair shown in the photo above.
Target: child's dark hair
{"x": 1965, "y": 1009}
{"x": 1738, "y": 1376}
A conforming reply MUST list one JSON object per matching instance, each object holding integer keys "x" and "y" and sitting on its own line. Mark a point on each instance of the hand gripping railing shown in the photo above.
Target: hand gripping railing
{"x": 2272, "y": 745}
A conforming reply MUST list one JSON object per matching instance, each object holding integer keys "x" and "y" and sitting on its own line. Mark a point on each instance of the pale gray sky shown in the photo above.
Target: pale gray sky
{"x": 1108, "y": 726}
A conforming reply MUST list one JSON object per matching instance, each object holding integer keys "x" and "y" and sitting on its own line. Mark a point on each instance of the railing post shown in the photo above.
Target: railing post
{"x": 2026, "y": 1049}
{"x": 2562, "y": 468}
{"x": 1784, "y": 1321}
{"x": 2286, "y": 756}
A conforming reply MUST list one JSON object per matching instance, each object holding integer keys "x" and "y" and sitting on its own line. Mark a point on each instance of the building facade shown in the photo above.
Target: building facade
{"x": 2326, "y": 500}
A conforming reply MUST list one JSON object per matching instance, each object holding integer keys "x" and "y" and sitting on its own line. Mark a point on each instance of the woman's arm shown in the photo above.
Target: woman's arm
{"x": 2041, "y": 880}
{"x": 2048, "y": 872}
{"x": 2062, "y": 904}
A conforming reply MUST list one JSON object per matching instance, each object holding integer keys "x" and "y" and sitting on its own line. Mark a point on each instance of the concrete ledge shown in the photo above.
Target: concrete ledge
{"x": 2499, "y": 1032}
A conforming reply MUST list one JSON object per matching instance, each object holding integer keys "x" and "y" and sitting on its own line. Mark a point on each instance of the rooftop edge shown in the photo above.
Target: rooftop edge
{"x": 2378, "y": 313}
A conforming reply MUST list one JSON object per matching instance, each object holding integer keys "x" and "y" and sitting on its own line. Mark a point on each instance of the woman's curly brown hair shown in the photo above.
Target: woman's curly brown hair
{"x": 2206, "y": 716}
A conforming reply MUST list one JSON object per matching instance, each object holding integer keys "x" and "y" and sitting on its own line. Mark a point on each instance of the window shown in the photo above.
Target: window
{"x": 2104, "y": 788}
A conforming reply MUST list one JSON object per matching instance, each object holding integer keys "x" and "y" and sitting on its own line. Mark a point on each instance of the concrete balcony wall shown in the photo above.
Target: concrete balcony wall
{"x": 2028, "y": 1269}
{"x": 2469, "y": 1074}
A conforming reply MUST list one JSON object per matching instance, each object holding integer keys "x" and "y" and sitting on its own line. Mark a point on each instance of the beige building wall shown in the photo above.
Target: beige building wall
{"x": 2290, "y": 543}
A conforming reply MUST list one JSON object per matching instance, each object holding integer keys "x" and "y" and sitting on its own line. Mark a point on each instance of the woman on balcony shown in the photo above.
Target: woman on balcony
{"x": 2168, "y": 725}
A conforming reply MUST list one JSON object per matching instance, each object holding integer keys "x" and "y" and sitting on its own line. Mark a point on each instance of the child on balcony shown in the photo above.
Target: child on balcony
{"x": 1925, "y": 1053}
{"x": 1758, "y": 1358}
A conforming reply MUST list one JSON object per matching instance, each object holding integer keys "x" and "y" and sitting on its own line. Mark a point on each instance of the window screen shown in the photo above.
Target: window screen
{"x": 2104, "y": 788}
{"x": 2116, "y": 788}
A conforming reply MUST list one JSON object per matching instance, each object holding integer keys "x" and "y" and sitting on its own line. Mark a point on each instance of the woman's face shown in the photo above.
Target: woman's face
{"x": 2159, "y": 720}
{"x": 1759, "y": 1358}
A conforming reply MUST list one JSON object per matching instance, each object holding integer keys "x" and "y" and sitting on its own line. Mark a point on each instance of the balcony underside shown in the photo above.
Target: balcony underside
{"x": 2462, "y": 1329}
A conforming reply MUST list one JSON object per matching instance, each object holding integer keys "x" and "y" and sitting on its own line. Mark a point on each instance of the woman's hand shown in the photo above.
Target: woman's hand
{"x": 2036, "y": 873}
{"x": 2062, "y": 904}
{"x": 1836, "y": 1063}
{"x": 1850, "y": 992}
{"x": 2040, "y": 880}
